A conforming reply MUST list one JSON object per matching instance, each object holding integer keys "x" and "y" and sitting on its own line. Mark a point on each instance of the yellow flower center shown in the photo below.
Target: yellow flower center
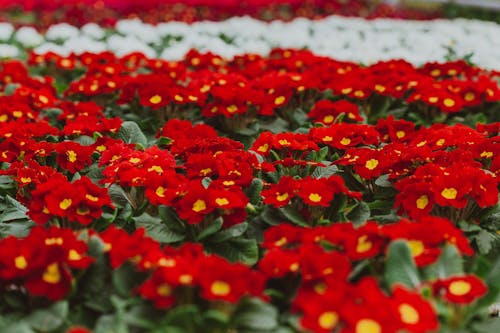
{"x": 20, "y": 262}
{"x": 54, "y": 241}
{"x": 91, "y": 198}
{"x": 345, "y": 141}
{"x": 164, "y": 290}
{"x": 315, "y": 197}
{"x": 487, "y": 154}
{"x": 371, "y": 164}
{"x": 328, "y": 119}
{"x": 448, "y": 102}
{"x": 449, "y": 193}
{"x": 368, "y": 326}
{"x": 284, "y": 142}
{"x": 459, "y": 288}
{"x": 71, "y": 156}
{"x": 220, "y": 288}
{"x": 279, "y": 100}
{"x": 416, "y": 247}
{"x": 156, "y": 99}
{"x": 328, "y": 320}
{"x": 320, "y": 288}
{"x": 160, "y": 191}
{"x": 52, "y": 274}
{"x": 263, "y": 148}
{"x": 422, "y": 202}
{"x": 409, "y": 315}
{"x": 280, "y": 242}
{"x": 199, "y": 206}
{"x": 232, "y": 108}
{"x": 363, "y": 244}
{"x": 185, "y": 279}
{"x": 221, "y": 201}
{"x": 64, "y": 204}
{"x": 469, "y": 96}
{"x": 74, "y": 255}
{"x": 282, "y": 197}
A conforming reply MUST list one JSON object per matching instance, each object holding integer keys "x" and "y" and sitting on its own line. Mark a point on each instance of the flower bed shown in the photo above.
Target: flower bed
{"x": 287, "y": 193}
{"x": 365, "y": 41}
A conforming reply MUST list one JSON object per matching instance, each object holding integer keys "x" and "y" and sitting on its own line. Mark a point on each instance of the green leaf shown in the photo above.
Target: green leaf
{"x": 118, "y": 195}
{"x": 110, "y": 324}
{"x": 14, "y": 210}
{"x": 170, "y": 218}
{"x": 400, "y": 267}
{"x": 325, "y": 172}
{"x": 125, "y": 279}
{"x": 131, "y": 133}
{"x": 270, "y": 216}
{"x": 383, "y": 181}
{"x": 487, "y": 326}
{"x": 450, "y": 263}
{"x": 255, "y": 190}
{"x": 206, "y": 182}
{"x": 17, "y": 327}
{"x": 236, "y": 249}
{"x": 293, "y": 215}
{"x": 231, "y": 232}
{"x": 6, "y": 182}
{"x": 217, "y": 317}
{"x": 17, "y": 228}
{"x": 93, "y": 285}
{"x": 487, "y": 241}
{"x": 255, "y": 315}
{"x": 184, "y": 316}
{"x": 359, "y": 214}
{"x": 50, "y": 318}
{"x": 211, "y": 229}
{"x": 85, "y": 140}
{"x": 158, "y": 230}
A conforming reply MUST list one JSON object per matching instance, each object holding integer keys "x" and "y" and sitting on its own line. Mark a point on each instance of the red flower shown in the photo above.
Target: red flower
{"x": 229, "y": 282}
{"x": 461, "y": 289}
{"x": 315, "y": 192}
{"x": 73, "y": 156}
{"x": 279, "y": 195}
{"x": 414, "y": 313}
{"x": 326, "y": 111}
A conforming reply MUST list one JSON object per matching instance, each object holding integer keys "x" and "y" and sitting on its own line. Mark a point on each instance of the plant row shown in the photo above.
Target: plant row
{"x": 288, "y": 193}
{"x": 366, "y": 41}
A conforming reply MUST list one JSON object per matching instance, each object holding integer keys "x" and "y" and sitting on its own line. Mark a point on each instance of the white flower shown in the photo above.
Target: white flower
{"x": 93, "y": 30}
{"x": 8, "y": 51}
{"x": 28, "y": 37}
{"x": 343, "y": 38}
{"x": 84, "y": 44}
{"x": 51, "y": 47}
{"x": 6, "y": 30}
{"x": 62, "y": 31}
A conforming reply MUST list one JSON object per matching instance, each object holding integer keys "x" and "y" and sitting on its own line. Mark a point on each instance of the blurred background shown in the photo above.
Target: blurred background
{"x": 42, "y": 13}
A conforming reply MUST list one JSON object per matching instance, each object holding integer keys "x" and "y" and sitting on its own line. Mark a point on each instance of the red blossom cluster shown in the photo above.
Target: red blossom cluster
{"x": 43, "y": 261}
{"x": 295, "y": 175}
{"x": 323, "y": 257}
{"x": 107, "y": 12}
{"x": 253, "y": 85}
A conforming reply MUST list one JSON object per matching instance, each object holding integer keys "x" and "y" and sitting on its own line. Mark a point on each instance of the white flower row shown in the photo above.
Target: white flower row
{"x": 342, "y": 38}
